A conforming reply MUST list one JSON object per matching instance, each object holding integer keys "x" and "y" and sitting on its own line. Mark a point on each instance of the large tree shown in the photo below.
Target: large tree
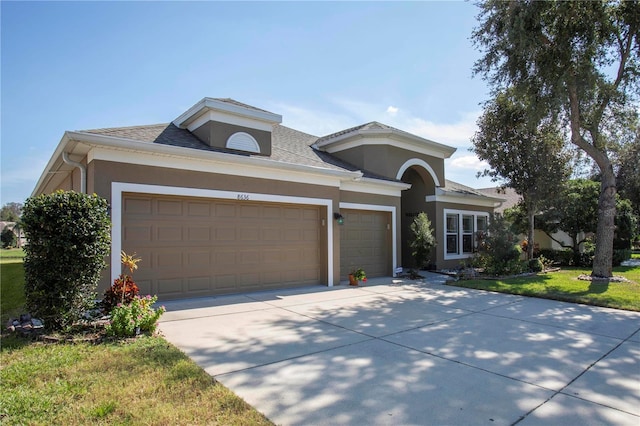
{"x": 522, "y": 154}
{"x": 578, "y": 60}
{"x": 11, "y": 212}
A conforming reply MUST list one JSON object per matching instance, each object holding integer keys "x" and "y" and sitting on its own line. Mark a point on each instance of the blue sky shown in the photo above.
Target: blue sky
{"x": 323, "y": 66}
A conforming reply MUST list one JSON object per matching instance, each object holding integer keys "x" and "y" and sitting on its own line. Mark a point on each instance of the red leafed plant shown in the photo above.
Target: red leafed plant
{"x": 124, "y": 289}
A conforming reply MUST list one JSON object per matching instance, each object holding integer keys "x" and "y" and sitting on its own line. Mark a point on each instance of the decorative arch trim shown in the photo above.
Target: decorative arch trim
{"x": 243, "y": 142}
{"x": 421, "y": 163}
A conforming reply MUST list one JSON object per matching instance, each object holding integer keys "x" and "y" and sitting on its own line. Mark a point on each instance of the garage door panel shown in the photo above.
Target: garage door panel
{"x": 169, "y": 259}
{"x": 199, "y": 285}
{"x": 198, "y": 233}
{"x": 169, "y": 208}
{"x": 224, "y": 234}
{"x": 249, "y": 211}
{"x": 137, "y": 234}
{"x": 137, "y": 206}
{"x": 169, "y": 233}
{"x": 169, "y": 287}
{"x": 198, "y": 209}
{"x": 145, "y": 286}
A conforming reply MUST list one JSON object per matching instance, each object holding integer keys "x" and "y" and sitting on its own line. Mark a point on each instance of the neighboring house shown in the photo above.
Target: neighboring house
{"x": 225, "y": 199}
{"x": 540, "y": 238}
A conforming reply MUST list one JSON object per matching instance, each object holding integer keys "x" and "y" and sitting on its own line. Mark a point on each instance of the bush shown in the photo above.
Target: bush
{"x": 123, "y": 290}
{"x": 620, "y": 256}
{"x": 8, "y": 238}
{"x": 133, "y": 318}
{"x": 563, "y": 257}
{"x": 68, "y": 238}
{"x": 535, "y": 265}
{"x": 499, "y": 249}
{"x": 423, "y": 240}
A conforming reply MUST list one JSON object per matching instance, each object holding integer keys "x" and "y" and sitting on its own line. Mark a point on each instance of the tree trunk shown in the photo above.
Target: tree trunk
{"x": 603, "y": 258}
{"x": 530, "y": 241}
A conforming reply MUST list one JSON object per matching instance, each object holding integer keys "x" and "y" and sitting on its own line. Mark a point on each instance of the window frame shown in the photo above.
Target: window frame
{"x": 460, "y": 232}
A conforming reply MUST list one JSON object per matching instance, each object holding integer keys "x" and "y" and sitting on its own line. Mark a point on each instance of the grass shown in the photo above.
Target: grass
{"x": 565, "y": 286}
{"x": 12, "y": 291}
{"x": 140, "y": 381}
{"x": 15, "y": 253}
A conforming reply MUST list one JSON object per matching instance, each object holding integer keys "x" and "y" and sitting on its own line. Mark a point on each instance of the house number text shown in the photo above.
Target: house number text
{"x": 243, "y": 197}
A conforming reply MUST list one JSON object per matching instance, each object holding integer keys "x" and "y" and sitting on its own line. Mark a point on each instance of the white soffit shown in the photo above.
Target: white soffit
{"x": 374, "y": 186}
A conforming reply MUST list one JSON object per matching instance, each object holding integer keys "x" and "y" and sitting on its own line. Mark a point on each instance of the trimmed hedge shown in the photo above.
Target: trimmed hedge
{"x": 68, "y": 236}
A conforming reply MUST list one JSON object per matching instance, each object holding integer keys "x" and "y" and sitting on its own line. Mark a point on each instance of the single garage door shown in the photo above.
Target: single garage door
{"x": 198, "y": 247}
{"x": 365, "y": 242}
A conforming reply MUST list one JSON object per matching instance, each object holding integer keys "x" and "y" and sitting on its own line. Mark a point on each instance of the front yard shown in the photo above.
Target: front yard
{"x": 138, "y": 381}
{"x": 565, "y": 286}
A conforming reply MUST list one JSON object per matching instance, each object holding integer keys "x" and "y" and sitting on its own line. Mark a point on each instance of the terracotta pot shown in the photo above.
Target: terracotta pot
{"x": 352, "y": 280}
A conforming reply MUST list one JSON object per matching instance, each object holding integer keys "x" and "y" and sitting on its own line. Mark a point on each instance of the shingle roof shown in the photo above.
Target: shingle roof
{"x": 240, "y": 104}
{"x": 510, "y": 196}
{"x": 288, "y": 145}
{"x": 373, "y": 125}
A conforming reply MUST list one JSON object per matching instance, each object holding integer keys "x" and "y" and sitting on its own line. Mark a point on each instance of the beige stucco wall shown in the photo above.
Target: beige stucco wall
{"x": 386, "y": 160}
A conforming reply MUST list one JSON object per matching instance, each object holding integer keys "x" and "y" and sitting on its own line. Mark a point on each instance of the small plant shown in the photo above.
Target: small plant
{"x": 123, "y": 289}
{"x": 535, "y": 265}
{"x": 423, "y": 240}
{"x": 359, "y": 275}
{"x": 138, "y": 316}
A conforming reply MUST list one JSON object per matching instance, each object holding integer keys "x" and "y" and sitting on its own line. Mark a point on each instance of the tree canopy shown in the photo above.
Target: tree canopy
{"x": 11, "y": 212}
{"x": 523, "y": 154}
{"x": 575, "y": 60}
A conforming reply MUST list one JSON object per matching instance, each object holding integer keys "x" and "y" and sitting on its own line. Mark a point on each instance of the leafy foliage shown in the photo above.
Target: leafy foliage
{"x": 579, "y": 61}
{"x": 499, "y": 251}
{"x": 123, "y": 290}
{"x": 11, "y": 212}
{"x": 359, "y": 274}
{"x": 137, "y": 316}
{"x": 423, "y": 240}
{"x": 8, "y": 238}
{"x": 68, "y": 235}
{"x": 523, "y": 154}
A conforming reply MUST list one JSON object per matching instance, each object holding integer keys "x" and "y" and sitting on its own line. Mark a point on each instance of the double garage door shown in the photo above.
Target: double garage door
{"x": 194, "y": 247}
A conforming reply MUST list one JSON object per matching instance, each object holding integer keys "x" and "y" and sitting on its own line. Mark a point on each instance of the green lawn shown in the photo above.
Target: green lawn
{"x": 564, "y": 285}
{"x": 11, "y": 254}
{"x": 141, "y": 381}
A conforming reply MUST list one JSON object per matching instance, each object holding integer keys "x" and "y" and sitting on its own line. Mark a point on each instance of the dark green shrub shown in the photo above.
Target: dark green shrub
{"x": 8, "y": 238}
{"x": 500, "y": 249}
{"x": 423, "y": 240}
{"x": 68, "y": 239}
{"x": 535, "y": 265}
{"x": 620, "y": 256}
{"x": 559, "y": 257}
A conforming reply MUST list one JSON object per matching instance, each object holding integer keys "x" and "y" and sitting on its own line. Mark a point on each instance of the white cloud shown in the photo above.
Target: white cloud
{"x": 391, "y": 110}
{"x": 468, "y": 162}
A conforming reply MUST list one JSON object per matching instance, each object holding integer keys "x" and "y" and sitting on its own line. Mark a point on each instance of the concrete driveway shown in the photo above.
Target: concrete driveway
{"x": 405, "y": 352}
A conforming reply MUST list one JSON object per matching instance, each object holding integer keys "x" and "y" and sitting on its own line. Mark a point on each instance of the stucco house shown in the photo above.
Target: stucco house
{"x": 226, "y": 199}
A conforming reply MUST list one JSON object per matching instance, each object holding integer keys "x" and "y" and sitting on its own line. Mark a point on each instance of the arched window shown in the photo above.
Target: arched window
{"x": 243, "y": 142}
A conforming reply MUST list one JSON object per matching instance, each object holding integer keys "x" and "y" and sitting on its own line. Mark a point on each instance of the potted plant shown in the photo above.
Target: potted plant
{"x": 356, "y": 276}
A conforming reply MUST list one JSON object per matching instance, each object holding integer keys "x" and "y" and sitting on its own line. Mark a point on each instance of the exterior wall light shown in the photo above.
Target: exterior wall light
{"x": 339, "y": 218}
